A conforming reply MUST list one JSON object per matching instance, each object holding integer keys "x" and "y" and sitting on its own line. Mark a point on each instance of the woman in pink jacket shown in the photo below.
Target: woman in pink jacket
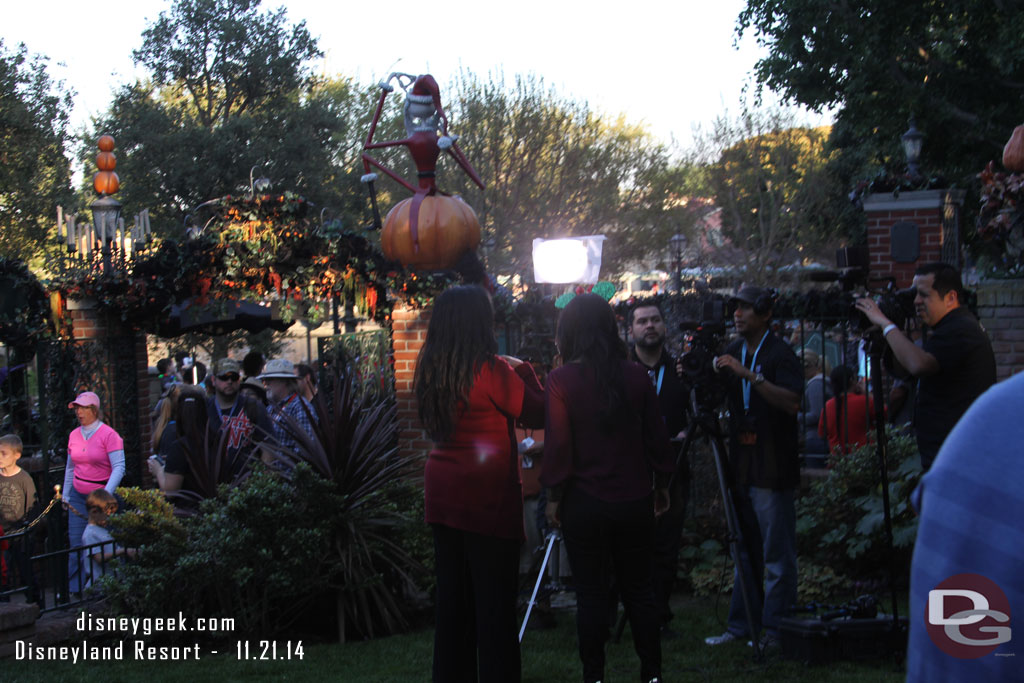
{"x": 95, "y": 460}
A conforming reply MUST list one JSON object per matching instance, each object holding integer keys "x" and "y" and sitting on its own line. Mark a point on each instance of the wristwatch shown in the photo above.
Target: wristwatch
{"x": 758, "y": 379}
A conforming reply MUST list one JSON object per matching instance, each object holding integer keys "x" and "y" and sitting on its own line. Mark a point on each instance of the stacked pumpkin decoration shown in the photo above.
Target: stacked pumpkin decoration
{"x": 1013, "y": 152}
{"x": 106, "y": 182}
{"x": 444, "y": 229}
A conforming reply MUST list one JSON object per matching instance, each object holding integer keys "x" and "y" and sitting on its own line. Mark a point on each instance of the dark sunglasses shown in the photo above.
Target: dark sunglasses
{"x": 229, "y": 377}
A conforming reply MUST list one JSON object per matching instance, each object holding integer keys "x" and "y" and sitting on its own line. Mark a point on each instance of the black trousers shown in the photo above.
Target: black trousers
{"x": 668, "y": 540}
{"x": 597, "y": 535}
{"x": 476, "y": 617}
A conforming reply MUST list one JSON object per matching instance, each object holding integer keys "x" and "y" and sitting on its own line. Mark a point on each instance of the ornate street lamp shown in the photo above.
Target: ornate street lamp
{"x": 108, "y": 231}
{"x": 912, "y": 140}
{"x": 678, "y": 244}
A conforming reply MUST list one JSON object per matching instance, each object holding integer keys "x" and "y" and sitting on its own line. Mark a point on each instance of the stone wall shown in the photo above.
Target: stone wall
{"x": 1001, "y": 312}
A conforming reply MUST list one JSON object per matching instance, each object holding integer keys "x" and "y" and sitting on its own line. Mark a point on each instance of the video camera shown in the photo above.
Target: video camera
{"x": 852, "y": 283}
{"x": 706, "y": 342}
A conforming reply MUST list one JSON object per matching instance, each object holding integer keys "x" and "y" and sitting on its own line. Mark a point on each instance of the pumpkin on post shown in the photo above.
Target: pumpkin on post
{"x": 446, "y": 228}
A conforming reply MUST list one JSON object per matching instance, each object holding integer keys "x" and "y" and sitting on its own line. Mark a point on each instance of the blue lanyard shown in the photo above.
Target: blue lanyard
{"x": 753, "y": 361}
{"x": 661, "y": 376}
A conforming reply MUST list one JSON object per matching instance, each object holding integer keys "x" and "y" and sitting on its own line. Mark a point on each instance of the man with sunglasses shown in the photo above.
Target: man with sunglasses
{"x": 242, "y": 422}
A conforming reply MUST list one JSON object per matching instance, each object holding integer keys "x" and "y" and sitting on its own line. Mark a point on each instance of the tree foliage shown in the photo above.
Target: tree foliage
{"x": 225, "y": 57}
{"x": 231, "y": 97}
{"x": 956, "y": 65}
{"x": 34, "y": 172}
{"x": 769, "y": 178}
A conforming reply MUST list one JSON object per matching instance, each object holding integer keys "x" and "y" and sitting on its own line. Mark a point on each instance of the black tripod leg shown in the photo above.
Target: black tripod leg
{"x": 881, "y": 452}
{"x": 726, "y": 483}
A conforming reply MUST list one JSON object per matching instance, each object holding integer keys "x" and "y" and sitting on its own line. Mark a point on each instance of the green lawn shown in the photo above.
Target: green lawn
{"x": 547, "y": 655}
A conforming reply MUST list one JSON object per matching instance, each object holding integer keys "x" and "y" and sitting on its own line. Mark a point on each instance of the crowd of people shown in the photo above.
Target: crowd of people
{"x": 606, "y": 468}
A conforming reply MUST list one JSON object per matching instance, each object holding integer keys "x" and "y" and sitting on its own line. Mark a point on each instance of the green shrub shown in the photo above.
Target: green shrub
{"x": 254, "y": 553}
{"x": 147, "y": 516}
{"x": 840, "y": 522}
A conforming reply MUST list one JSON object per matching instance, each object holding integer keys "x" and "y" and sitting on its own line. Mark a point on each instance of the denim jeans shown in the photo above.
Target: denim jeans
{"x": 76, "y": 525}
{"x": 771, "y": 517}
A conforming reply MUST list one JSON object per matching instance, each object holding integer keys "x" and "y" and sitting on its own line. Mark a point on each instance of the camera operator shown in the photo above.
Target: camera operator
{"x": 765, "y": 384}
{"x": 647, "y": 326}
{"x": 955, "y": 364}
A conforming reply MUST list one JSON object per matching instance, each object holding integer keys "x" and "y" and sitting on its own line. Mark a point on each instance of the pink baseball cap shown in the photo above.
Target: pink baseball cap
{"x": 86, "y": 398}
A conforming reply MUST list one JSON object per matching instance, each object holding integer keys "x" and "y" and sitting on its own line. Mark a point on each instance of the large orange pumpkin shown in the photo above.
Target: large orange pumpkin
{"x": 106, "y": 161}
{"x": 106, "y": 182}
{"x": 1013, "y": 152}
{"x": 105, "y": 143}
{"x": 446, "y": 228}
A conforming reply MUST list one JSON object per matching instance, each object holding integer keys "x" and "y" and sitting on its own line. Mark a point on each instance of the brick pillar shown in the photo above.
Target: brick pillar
{"x": 1001, "y": 312}
{"x": 408, "y": 332}
{"x": 926, "y": 228}
{"x": 89, "y": 325}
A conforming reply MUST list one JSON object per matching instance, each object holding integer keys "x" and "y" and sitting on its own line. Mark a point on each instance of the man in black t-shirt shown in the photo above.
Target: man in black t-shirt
{"x": 954, "y": 365}
{"x": 647, "y": 326}
{"x": 766, "y": 381}
{"x": 242, "y": 422}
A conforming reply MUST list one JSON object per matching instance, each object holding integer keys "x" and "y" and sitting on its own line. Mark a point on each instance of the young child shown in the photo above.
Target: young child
{"x": 100, "y": 504}
{"x": 17, "y": 503}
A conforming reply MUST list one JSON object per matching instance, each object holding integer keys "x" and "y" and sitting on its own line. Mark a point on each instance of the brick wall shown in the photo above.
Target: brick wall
{"x": 1001, "y": 311}
{"x": 936, "y": 213}
{"x": 88, "y": 325}
{"x": 408, "y": 332}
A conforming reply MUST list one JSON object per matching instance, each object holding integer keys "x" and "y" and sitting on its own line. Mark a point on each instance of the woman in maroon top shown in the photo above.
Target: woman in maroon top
{"x": 607, "y": 464}
{"x": 468, "y": 399}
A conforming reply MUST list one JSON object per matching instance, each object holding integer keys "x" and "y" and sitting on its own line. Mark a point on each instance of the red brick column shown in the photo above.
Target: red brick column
{"x": 408, "y": 332}
{"x": 936, "y": 213}
{"x": 87, "y": 324}
{"x": 1001, "y": 312}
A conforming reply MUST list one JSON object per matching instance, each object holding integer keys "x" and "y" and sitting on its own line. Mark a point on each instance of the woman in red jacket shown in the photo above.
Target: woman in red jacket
{"x": 469, "y": 398}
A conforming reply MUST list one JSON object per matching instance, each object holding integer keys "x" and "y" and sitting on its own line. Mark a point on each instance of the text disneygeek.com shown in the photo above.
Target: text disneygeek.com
{"x": 134, "y": 627}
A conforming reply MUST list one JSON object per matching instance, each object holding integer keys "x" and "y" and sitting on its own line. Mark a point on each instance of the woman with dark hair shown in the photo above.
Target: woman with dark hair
{"x": 170, "y": 467}
{"x": 607, "y": 464}
{"x": 846, "y": 419}
{"x": 468, "y": 399}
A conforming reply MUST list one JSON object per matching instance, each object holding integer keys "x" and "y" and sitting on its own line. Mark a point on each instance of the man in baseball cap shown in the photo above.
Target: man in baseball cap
{"x": 243, "y": 419}
{"x": 765, "y": 380}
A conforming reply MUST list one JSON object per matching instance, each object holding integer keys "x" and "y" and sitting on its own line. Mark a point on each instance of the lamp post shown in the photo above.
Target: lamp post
{"x": 108, "y": 232}
{"x": 678, "y": 244}
{"x": 912, "y": 140}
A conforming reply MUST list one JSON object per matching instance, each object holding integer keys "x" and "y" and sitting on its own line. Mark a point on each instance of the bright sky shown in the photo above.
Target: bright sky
{"x": 669, "y": 64}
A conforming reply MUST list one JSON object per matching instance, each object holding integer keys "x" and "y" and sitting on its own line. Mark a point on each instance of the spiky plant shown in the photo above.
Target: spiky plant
{"x": 354, "y": 446}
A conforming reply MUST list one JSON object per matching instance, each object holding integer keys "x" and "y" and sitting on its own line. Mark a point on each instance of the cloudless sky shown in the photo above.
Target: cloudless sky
{"x": 668, "y": 64}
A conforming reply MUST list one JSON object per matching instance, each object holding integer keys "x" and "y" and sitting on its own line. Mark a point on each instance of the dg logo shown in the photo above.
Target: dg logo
{"x": 968, "y": 616}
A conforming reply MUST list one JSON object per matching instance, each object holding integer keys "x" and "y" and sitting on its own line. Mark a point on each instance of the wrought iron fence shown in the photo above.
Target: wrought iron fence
{"x": 366, "y": 357}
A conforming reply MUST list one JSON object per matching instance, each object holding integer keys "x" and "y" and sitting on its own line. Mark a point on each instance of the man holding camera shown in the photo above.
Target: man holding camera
{"x": 647, "y": 326}
{"x": 765, "y": 381}
{"x": 954, "y": 365}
